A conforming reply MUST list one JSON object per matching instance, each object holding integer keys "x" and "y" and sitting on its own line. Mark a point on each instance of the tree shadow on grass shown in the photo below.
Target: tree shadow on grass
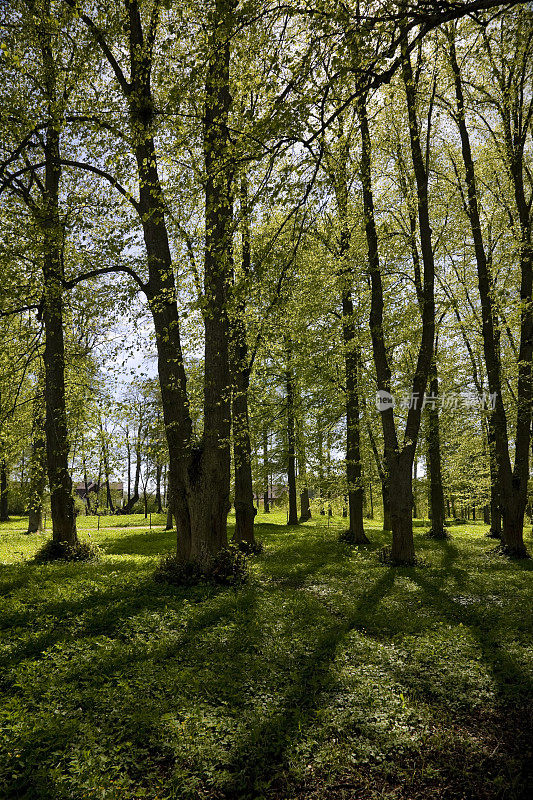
{"x": 102, "y": 612}
{"x": 449, "y": 563}
{"x": 259, "y": 759}
{"x": 509, "y": 677}
{"x": 147, "y": 543}
{"x": 507, "y": 725}
{"x": 120, "y": 693}
{"x": 291, "y": 566}
{"x": 13, "y": 577}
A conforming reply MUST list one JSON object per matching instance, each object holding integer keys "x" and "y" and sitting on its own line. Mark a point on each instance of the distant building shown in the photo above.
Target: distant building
{"x": 117, "y": 489}
{"x": 275, "y": 494}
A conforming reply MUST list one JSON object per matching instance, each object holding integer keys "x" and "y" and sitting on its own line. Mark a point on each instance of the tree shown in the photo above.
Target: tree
{"x": 515, "y": 113}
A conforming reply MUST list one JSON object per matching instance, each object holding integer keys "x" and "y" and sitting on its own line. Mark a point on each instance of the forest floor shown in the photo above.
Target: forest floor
{"x": 330, "y": 676}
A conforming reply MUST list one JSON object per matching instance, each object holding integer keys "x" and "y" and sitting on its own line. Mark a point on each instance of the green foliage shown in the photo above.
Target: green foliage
{"x": 55, "y": 551}
{"x": 306, "y": 682}
{"x": 254, "y": 548}
{"x": 227, "y": 568}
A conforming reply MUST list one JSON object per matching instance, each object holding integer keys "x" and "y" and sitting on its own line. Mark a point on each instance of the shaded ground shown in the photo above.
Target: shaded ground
{"x": 328, "y": 676}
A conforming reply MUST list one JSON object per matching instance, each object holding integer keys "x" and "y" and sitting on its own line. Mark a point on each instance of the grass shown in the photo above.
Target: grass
{"x": 328, "y": 677}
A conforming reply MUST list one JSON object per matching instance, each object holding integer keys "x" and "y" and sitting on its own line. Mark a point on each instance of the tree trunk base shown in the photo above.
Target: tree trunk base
{"x": 402, "y": 552}
{"x": 513, "y": 531}
{"x": 35, "y": 523}
{"x": 305, "y": 508}
{"x": 244, "y": 524}
{"x": 518, "y": 551}
{"x": 351, "y": 537}
{"x": 438, "y": 534}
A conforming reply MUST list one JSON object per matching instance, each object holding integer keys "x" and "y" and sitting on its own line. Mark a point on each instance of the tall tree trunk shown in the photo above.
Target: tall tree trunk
{"x": 320, "y": 437}
{"x": 209, "y": 473}
{"x": 495, "y": 512}
{"x": 266, "y": 503}
{"x": 434, "y": 461}
{"x": 291, "y": 440}
{"x": 4, "y": 515}
{"x": 305, "y": 505}
{"x": 353, "y": 439}
{"x": 328, "y": 470}
{"x": 158, "y": 502}
{"x": 86, "y": 485}
{"x": 415, "y": 487}
{"x": 512, "y": 481}
{"x": 385, "y": 496}
{"x": 399, "y": 460}
{"x": 105, "y": 458}
{"x": 138, "y": 458}
{"x": 495, "y": 531}
{"x": 384, "y": 480}
{"x": 245, "y": 509}
{"x": 37, "y": 468}
{"x": 57, "y": 445}
{"x": 128, "y": 451}
{"x": 169, "y": 525}
{"x": 199, "y": 472}
{"x": 337, "y": 168}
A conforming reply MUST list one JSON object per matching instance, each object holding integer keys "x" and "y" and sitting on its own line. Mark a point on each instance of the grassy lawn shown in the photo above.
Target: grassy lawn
{"x": 329, "y": 675}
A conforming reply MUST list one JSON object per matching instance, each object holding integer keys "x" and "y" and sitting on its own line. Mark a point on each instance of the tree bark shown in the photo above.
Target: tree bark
{"x": 353, "y": 438}
{"x": 266, "y": 503}
{"x": 128, "y": 451}
{"x": 209, "y": 472}
{"x": 305, "y": 505}
{"x": 37, "y": 469}
{"x": 495, "y": 531}
{"x": 438, "y": 530}
{"x": 105, "y": 458}
{"x": 198, "y": 472}
{"x": 512, "y": 482}
{"x": 320, "y": 437}
{"x": 337, "y": 168}
{"x": 4, "y": 515}
{"x": 57, "y": 445}
{"x": 291, "y": 440}
{"x": 245, "y": 509}
{"x": 158, "y": 502}
{"x": 385, "y": 495}
{"x": 399, "y": 460}
{"x": 415, "y": 487}
{"x": 384, "y": 480}
{"x": 169, "y": 524}
{"x": 132, "y": 499}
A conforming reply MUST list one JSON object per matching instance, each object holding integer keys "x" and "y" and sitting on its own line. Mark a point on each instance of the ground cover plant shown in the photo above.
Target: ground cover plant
{"x": 328, "y": 675}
